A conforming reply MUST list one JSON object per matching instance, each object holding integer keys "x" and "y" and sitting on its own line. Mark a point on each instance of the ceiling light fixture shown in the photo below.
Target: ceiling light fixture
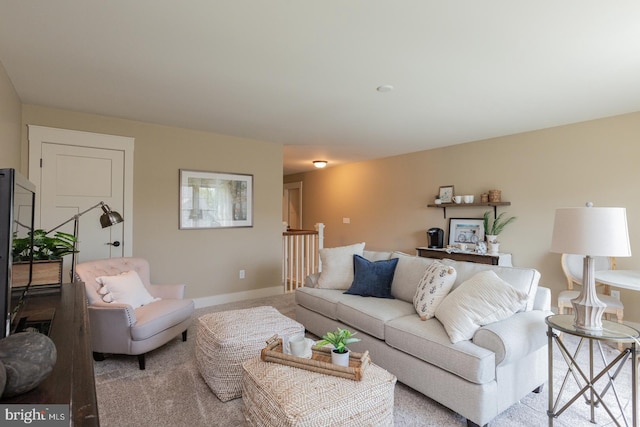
{"x": 384, "y": 88}
{"x": 320, "y": 163}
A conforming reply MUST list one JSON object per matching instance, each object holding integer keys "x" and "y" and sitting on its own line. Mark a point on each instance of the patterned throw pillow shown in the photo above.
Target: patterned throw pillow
{"x": 433, "y": 288}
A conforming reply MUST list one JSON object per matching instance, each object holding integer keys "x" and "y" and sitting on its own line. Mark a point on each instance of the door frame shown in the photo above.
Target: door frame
{"x": 38, "y": 135}
{"x": 285, "y": 194}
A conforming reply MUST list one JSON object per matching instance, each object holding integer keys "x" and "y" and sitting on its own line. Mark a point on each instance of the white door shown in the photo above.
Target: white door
{"x": 75, "y": 171}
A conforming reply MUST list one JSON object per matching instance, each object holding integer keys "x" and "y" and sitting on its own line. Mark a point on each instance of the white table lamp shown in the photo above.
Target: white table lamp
{"x": 590, "y": 231}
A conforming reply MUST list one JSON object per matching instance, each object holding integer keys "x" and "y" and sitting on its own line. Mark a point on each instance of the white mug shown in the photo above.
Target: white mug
{"x": 457, "y": 199}
{"x": 300, "y": 346}
{"x": 468, "y": 199}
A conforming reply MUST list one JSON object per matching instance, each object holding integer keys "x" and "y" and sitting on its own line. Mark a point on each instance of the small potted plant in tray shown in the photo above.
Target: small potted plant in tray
{"x": 339, "y": 338}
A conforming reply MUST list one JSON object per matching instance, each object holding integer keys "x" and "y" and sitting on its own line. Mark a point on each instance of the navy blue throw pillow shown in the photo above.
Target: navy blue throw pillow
{"x": 372, "y": 279}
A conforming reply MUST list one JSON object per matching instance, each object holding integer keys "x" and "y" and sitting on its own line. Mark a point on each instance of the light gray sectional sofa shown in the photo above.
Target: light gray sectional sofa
{"x": 477, "y": 378}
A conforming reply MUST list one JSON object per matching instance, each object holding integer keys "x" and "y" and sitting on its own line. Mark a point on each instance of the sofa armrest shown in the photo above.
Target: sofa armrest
{"x": 167, "y": 291}
{"x": 515, "y": 337}
{"x": 543, "y": 299}
{"x": 110, "y": 326}
{"x": 312, "y": 280}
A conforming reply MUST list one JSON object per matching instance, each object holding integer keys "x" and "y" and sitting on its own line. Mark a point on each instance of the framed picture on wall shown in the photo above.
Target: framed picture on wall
{"x": 215, "y": 200}
{"x": 446, "y": 193}
{"x": 467, "y": 231}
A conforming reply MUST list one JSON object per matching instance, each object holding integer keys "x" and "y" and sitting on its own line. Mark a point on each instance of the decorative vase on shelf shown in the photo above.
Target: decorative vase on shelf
{"x": 492, "y": 238}
{"x": 494, "y": 248}
{"x": 340, "y": 359}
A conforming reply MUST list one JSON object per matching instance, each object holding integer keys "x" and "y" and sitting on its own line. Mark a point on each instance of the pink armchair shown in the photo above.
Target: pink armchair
{"x": 118, "y": 328}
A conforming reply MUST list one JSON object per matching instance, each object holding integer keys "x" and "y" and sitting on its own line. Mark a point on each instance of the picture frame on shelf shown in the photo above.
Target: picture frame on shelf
{"x": 215, "y": 200}
{"x": 467, "y": 231}
{"x": 446, "y": 193}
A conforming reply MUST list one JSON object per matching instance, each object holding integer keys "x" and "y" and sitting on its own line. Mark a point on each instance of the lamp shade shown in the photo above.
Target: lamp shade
{"x": 109, "y": 217}
{"x": 591, "y": 231}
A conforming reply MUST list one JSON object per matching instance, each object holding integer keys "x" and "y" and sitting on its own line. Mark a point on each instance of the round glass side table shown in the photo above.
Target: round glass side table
{"x": 588, "y": 381}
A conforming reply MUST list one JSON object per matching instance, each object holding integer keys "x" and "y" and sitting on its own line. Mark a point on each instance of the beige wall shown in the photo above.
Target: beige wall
{"x": 208, "y": 261}
{"x": 386, "y": 199}
{"x": 9, "y": 123}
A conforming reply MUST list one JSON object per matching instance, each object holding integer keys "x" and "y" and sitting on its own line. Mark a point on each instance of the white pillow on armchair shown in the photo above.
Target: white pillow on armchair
{"x": 125, "y": 288}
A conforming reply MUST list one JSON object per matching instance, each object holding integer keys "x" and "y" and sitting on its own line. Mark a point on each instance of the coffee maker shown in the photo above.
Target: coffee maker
{"x": 436, "y": 238}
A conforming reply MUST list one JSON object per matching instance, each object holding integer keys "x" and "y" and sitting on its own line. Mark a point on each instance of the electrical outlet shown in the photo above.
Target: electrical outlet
{"x": 615, "y": 294}
{"x": 241, "y": 275}
{"x": 346, "y": 220}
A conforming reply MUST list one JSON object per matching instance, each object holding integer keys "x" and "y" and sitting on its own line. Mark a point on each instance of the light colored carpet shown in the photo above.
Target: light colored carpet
{"x": 171, "y": 392}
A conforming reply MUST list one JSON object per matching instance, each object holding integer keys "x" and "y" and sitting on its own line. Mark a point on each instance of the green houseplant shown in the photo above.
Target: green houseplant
{"x": 339, "y": 338}
{"x": 47, "y": 255}
{"x": 44, "y": 247}
{"x": 495, "y": 227}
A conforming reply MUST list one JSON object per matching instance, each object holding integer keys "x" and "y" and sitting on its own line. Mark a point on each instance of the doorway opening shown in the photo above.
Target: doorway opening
{"x": 292, "y": 205}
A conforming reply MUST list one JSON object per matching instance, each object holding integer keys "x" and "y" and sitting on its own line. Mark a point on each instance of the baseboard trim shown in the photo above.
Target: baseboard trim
{"x": 237, "y": 296}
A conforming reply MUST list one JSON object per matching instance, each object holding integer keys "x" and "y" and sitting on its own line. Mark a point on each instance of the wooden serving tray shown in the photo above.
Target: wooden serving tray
{"x": 320, "y": 360}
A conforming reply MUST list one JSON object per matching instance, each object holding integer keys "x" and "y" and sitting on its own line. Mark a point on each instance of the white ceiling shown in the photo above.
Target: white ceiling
{"x": 304, "y": 73}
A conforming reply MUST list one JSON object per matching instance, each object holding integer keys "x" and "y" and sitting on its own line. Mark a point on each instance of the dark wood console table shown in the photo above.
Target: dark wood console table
{"x": 500, "y": 259}
{"x": 71, "y": 381}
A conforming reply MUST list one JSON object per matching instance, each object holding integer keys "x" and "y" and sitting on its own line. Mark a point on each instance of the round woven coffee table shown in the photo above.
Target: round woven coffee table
{"x": 278, "y": 395}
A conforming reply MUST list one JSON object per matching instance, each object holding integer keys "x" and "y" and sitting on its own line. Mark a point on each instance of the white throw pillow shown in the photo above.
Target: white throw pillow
{"x": 125, "y": 288}
{"x": 484, "y": 298}
{"x": 433, "y": 288}
{"x": 337, "y": 266}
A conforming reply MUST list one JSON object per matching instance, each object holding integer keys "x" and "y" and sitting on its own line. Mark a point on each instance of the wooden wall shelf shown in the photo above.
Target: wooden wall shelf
{"x": 444, "y": 206}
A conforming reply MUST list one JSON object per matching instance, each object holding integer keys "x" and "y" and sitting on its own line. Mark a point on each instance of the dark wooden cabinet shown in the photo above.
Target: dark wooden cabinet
{"x": 500, "y": 259}
{"x": 71, "y": 381}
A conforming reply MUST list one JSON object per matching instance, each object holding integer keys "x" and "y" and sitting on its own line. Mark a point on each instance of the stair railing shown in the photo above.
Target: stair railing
{"x": 300, "y": 255}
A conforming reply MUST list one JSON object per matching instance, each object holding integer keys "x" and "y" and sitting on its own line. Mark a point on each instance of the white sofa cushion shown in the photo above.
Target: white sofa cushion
{"x": 151, "y": 319}
{"x": 479, "y": 301}
{"x": 433, "y": 288}
{"x": 409, "y": 271}
{"x": 523, "y": 279}
{"x": 323, "y": 301}
{"x": 369, "y": 315}
{"x": 428, "y": 341}
{"x": 337, "y": 266}
{"x": 376, "y": 255}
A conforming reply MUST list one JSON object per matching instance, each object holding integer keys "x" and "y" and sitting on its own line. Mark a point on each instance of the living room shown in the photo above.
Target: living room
{"x": 537, "y": 170}
{"x": 385, "y": 198}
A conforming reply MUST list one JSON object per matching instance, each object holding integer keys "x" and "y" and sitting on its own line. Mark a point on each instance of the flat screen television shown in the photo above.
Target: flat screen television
{"x": 17, "y": 211}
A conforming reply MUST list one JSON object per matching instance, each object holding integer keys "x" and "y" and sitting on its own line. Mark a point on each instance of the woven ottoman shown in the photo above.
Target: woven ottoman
{"x": 226, "y": 339}
{"x": 278, "y": 395}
